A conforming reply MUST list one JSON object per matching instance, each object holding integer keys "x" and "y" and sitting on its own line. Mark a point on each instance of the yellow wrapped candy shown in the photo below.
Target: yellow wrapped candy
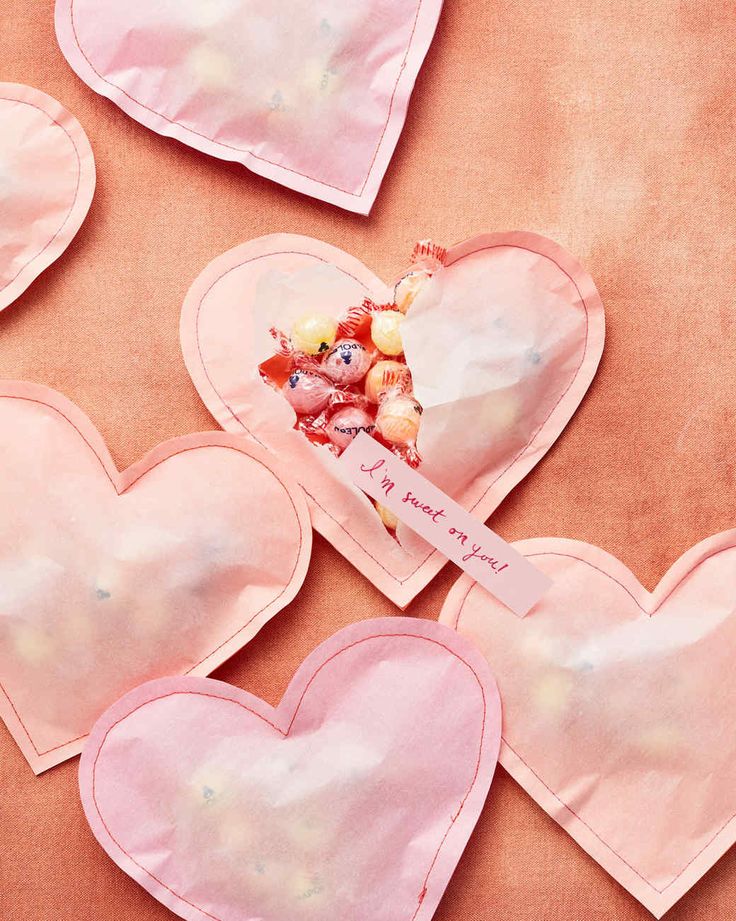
{"x": 398, "y": 420}
{"x": 314, "y": 333}
{"x": 386, "y": 331}
{"x": 408, "y": 288}
{"x": 379, "y": 378}
{"x": 387, "y": 517}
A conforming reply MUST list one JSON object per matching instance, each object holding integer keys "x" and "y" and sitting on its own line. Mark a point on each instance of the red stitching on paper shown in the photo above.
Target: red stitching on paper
{"x": 41, "y": 754}
{"x": 618, "y": 582}
{"x": 490, "y": 486}
{"x": 285, "y": 734}
{"x": 572, "y": 812}
{"x": 76, "y": 190}
{"x": 248, "y": 151}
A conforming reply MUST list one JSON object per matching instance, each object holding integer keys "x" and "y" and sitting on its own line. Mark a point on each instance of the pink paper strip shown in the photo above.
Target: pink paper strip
{"x": 484, "y": 555}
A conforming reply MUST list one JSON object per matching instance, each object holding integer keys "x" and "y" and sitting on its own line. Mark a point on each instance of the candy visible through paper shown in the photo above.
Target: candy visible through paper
{"x": 352, "y": 800}
{"x": 618, "y": 706}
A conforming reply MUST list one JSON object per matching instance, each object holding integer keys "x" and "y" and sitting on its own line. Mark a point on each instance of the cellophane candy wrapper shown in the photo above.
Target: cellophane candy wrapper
{"x": 501, "y": 343}
{"x": 109, "y": 579}
{"x": 47, "y": 180}
{"x": 354, "y": 798}
{"x": 310, "y": 93}
{"x": 619, "y": 706}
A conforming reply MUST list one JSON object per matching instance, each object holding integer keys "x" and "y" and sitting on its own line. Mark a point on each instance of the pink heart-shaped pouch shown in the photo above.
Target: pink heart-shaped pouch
{"x": 109, "y": 579}
{"x": 47, "y": 180}
{"x": 310, "y": 94}
{"x": 619, "y": 706}
{"x": 502, "y": 344}
{"x": 353, "y": 799}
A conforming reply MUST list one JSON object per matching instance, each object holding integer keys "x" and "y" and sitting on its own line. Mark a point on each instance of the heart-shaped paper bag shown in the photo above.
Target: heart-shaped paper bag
{"x": 310, "y": 93}
{"x": 109, "y": 579}
{"x": 620, "y": 706}
{"x": 353, "y": 799}
{"x": 47, "y": 180}
{"x": 502, "y": 344}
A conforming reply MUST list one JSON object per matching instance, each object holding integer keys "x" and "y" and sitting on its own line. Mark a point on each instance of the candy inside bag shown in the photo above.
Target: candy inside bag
{"x": 349, "y": 375}
{"x": 502, "y": 342}
{"x": 399, "y": 417}
{"x": 320, "y": 385}
{"x": 427, "y": 259}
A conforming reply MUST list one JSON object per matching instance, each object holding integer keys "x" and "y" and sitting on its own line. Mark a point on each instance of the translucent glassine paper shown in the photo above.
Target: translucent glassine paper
{"x": 502, "y": 344}
{"x": 354, "y": 798}
{"x": 109, "y": 579}
{"x": 47, "y": 180}
{"x": 310, "y": 94}
{"x": 619, "y": 706}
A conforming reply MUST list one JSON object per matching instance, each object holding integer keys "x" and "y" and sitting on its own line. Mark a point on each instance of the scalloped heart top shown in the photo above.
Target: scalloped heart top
{"x": 353, "y": 799}
{"x": 619, "y": 706}
{"x": 502, "y": 344}
{"x": 47, "y": 180}
{"x": 312, "y": 94}
{"x": 109, "y": 579}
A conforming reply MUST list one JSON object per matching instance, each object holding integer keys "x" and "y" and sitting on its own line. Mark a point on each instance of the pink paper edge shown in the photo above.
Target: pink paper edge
{"x": 655, "y": 902}
{"x": 402, "y": 593}
{"x": 426, "y": 24}
{"x": 82, "y": 201}
{"x": 453, "y": 845}
{"x": 122, "y": 480}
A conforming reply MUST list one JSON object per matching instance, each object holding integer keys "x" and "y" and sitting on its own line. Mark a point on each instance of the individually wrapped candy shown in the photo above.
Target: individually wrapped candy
{"x": 427, "y": 259}
{"x": 386, "y": 332}
{"x": 387, "y": 319}
{"x": 398, "y": 420}
{"x": 347, "y": 362}
{"x": 347, "y": 423}
{"x": 313, "y": 333}
{"x": 307, "y": 391}
{"x": 382, "y": 375}
{"x": 285, "y": 346}
{"x": 319, "y": 386}
{"x": 317, "y": 425}
{"x": 385, "y": 328}
{"x": 355, "y": 317}
{"x": 389, "y": 519}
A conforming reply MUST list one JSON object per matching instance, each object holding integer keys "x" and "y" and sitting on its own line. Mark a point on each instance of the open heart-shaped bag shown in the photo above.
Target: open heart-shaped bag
{"x": 109, "y": 579}
{"x": 502, "y": 344}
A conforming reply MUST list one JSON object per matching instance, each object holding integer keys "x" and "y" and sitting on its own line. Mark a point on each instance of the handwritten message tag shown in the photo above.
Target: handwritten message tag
{"x": 485, "y": 556}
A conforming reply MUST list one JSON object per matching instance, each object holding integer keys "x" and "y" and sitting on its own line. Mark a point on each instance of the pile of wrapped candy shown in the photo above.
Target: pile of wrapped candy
{"x": 349, "y": 375}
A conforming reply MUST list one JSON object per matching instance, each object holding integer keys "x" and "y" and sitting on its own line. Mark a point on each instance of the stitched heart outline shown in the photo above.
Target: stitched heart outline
{"x": 643, "y": 682}
{"x": 42, "y": 145}
{"x": 368, "y": 69}
{"x": 346, "y": 746}
{"x": 224, "y": 337}
{"x": 110, "y": 578}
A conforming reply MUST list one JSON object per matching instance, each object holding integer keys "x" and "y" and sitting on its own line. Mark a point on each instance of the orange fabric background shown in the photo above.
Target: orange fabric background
{"x": 607, "y": 126}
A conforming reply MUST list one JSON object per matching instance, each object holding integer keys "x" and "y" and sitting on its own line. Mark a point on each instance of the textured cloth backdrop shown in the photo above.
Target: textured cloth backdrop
{"x": 607, "y": 126}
